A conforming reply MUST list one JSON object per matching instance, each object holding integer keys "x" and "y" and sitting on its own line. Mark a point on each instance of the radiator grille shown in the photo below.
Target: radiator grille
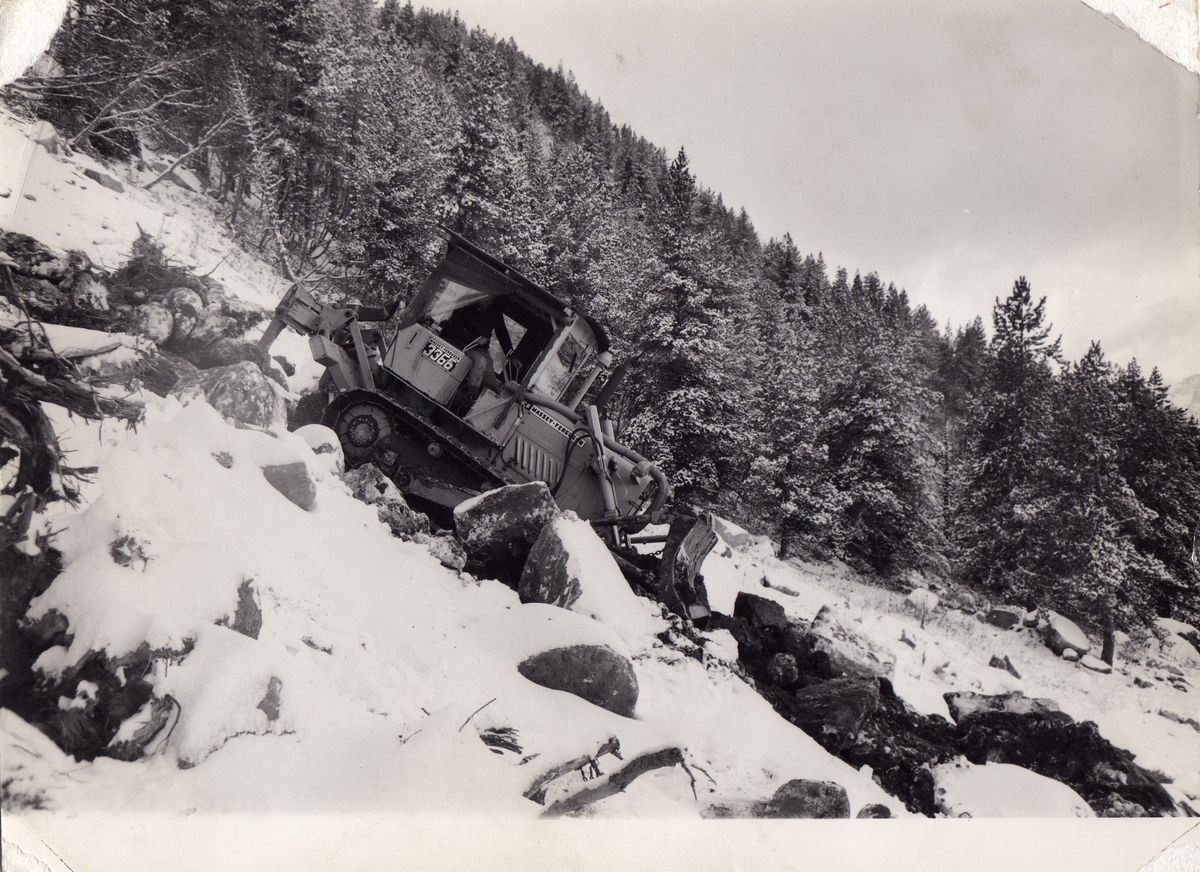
{"x": 536, "y": 462}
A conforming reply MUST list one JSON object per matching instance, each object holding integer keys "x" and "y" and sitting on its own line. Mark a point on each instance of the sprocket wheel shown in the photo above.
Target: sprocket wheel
{"x": 361, "y": 428}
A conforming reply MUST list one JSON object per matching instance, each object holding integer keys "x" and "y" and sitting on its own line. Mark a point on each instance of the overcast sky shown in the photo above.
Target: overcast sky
{"x": 948, "y": 146}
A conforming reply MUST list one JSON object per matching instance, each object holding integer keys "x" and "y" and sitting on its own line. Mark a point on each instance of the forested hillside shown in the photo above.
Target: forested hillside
{"x": 805, "y": 399}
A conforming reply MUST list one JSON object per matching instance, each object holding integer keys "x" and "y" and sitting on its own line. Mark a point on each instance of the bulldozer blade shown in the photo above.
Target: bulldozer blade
{"x": 689, "y": 540}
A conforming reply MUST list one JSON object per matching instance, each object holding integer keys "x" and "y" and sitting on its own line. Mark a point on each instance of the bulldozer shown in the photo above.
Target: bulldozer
{"x": 482, "y": 383}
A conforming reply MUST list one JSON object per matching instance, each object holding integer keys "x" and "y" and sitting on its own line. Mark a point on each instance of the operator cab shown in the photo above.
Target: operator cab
{"x": 478, "y": 325}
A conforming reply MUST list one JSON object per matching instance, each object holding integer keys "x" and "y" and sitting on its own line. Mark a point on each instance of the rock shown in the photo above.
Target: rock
{"x": 1095, "y": 664}
{"x": 498, "y": 528}
{"x": 595, "y": 673}
{"x": 247, "y": 619}
{"x": 161, "y": 371}
{"x": 324, "y": 443}
{"x": 848, "y": 653}
{"x": 104, "y": 179}
{"x": 1004, "y": 663}
{"x": 1061, "y": 634}
{"x": 1004, "y": 617}
{"x": 186, "y": 308}
{"x": 240, "y": 392}
{"x": 783, "y": 670}
{"x": 208, "y": 352}
{"x": 153, "y": 321}
{"x": 965, "y": 703}
{"x": 874, "y": 810}
{"x": 293, "y": 481}
{"x": 800, "y": 798}
{"x": 270, "y": 703}
{"x": 759, "y": 611}
{"x": 1056, "y": 746}
{"x": 1141, "y": 682}
{"x": 550, "y": 575}
{"x": 960, "y": 599}
{"x": 138, "y": 730}
{"x": 1070, "y": 654}
{"x": 839, "y": 706}
{"x": 1030, "y": 619}
{"x": 445, "y": 547}
{"x": 368, "y": 484}
{"x": 921, "y": 601}
{"x": 731, "y": 533}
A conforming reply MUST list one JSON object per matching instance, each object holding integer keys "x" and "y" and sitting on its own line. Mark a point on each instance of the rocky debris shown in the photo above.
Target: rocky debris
{"x": 154, "y": 321}
{"x": 445, "y": 547}
{"x": 247, "y": 618}
{"x": 998, "y": 662}
{"x": 836, "y": 708}
{"x": 324, "y": 443}
{"x": 960, "y": 599}
{"x": 1030, "y": 619}
{"x": 1004, "y": 617}
{"x": 1070, "y": 654}
{"x": 783, "y": 669}
{"x": 104, "y": 179}
{"x": 875, "y": 810}
{"x": 272, "y": 699}
{"x": 293, "y": 481}
{"x": 498, "y": 528}
{"x": 595, "y": 673}
{"x": 965, "y": 703}
{"x": 1095, "y": 664}
{"x": 759, "y": 612}
{"x": 1056, "y": 746}
{"x": 140, "y": 729}
{"x": 800, "y": 798}
{"x": 1061, "y": 634}
{"x": 368, "y": 484}
{"x": 240, "y": 392}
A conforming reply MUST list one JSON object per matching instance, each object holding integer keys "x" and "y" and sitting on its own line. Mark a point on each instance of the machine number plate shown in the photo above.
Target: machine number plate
{"x": 441, "y": 355}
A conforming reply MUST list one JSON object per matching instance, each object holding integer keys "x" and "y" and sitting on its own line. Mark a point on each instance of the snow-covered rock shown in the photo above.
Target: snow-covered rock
{"x": 1003, "y": 790}
{"x": 759, "y": 612}
{"x": 325, "y": 444}
{"x": 1095, "y": 664}
{"x": 731, "y": 533}
{"x": 595, "y": 673}
{"x": 838, "y": 706}
{"x": 239, "y": 392}
{"x": 369, "y": 485}
{"x": 1062, "y": 634}
{"x": 499, "y": 527}
{"x": 963, "y": 704}
{"x": 570, "y": 567}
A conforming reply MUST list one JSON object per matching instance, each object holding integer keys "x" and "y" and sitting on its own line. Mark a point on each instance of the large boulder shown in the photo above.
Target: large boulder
{"x": 839, "y": 706}
{"x": 921, "y": 601}
{"x": 499, "y": 528}
{"x": 241, "y": 393}
{"x": 368, "y": 484}
{"x": 570, "y": 567}
{"x": 848, "y": 653}
{"x": 1061, "y": 634}
{"x": 731, "y": 533}
{"x": 595, "y": 673}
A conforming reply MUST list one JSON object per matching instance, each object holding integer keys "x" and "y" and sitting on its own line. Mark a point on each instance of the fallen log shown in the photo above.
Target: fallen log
{"x": 618, "y": 781}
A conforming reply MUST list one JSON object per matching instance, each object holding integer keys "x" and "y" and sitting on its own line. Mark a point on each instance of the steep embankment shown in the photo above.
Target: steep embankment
{"x": 270, "y": 644}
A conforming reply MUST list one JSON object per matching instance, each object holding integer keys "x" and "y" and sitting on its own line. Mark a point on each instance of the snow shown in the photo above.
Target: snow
{"x": 379, "y": 654}
{"x": 1003, "y": 790}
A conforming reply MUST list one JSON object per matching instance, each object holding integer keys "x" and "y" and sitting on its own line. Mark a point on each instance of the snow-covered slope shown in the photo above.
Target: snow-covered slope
{"x": 379, "y": 653}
